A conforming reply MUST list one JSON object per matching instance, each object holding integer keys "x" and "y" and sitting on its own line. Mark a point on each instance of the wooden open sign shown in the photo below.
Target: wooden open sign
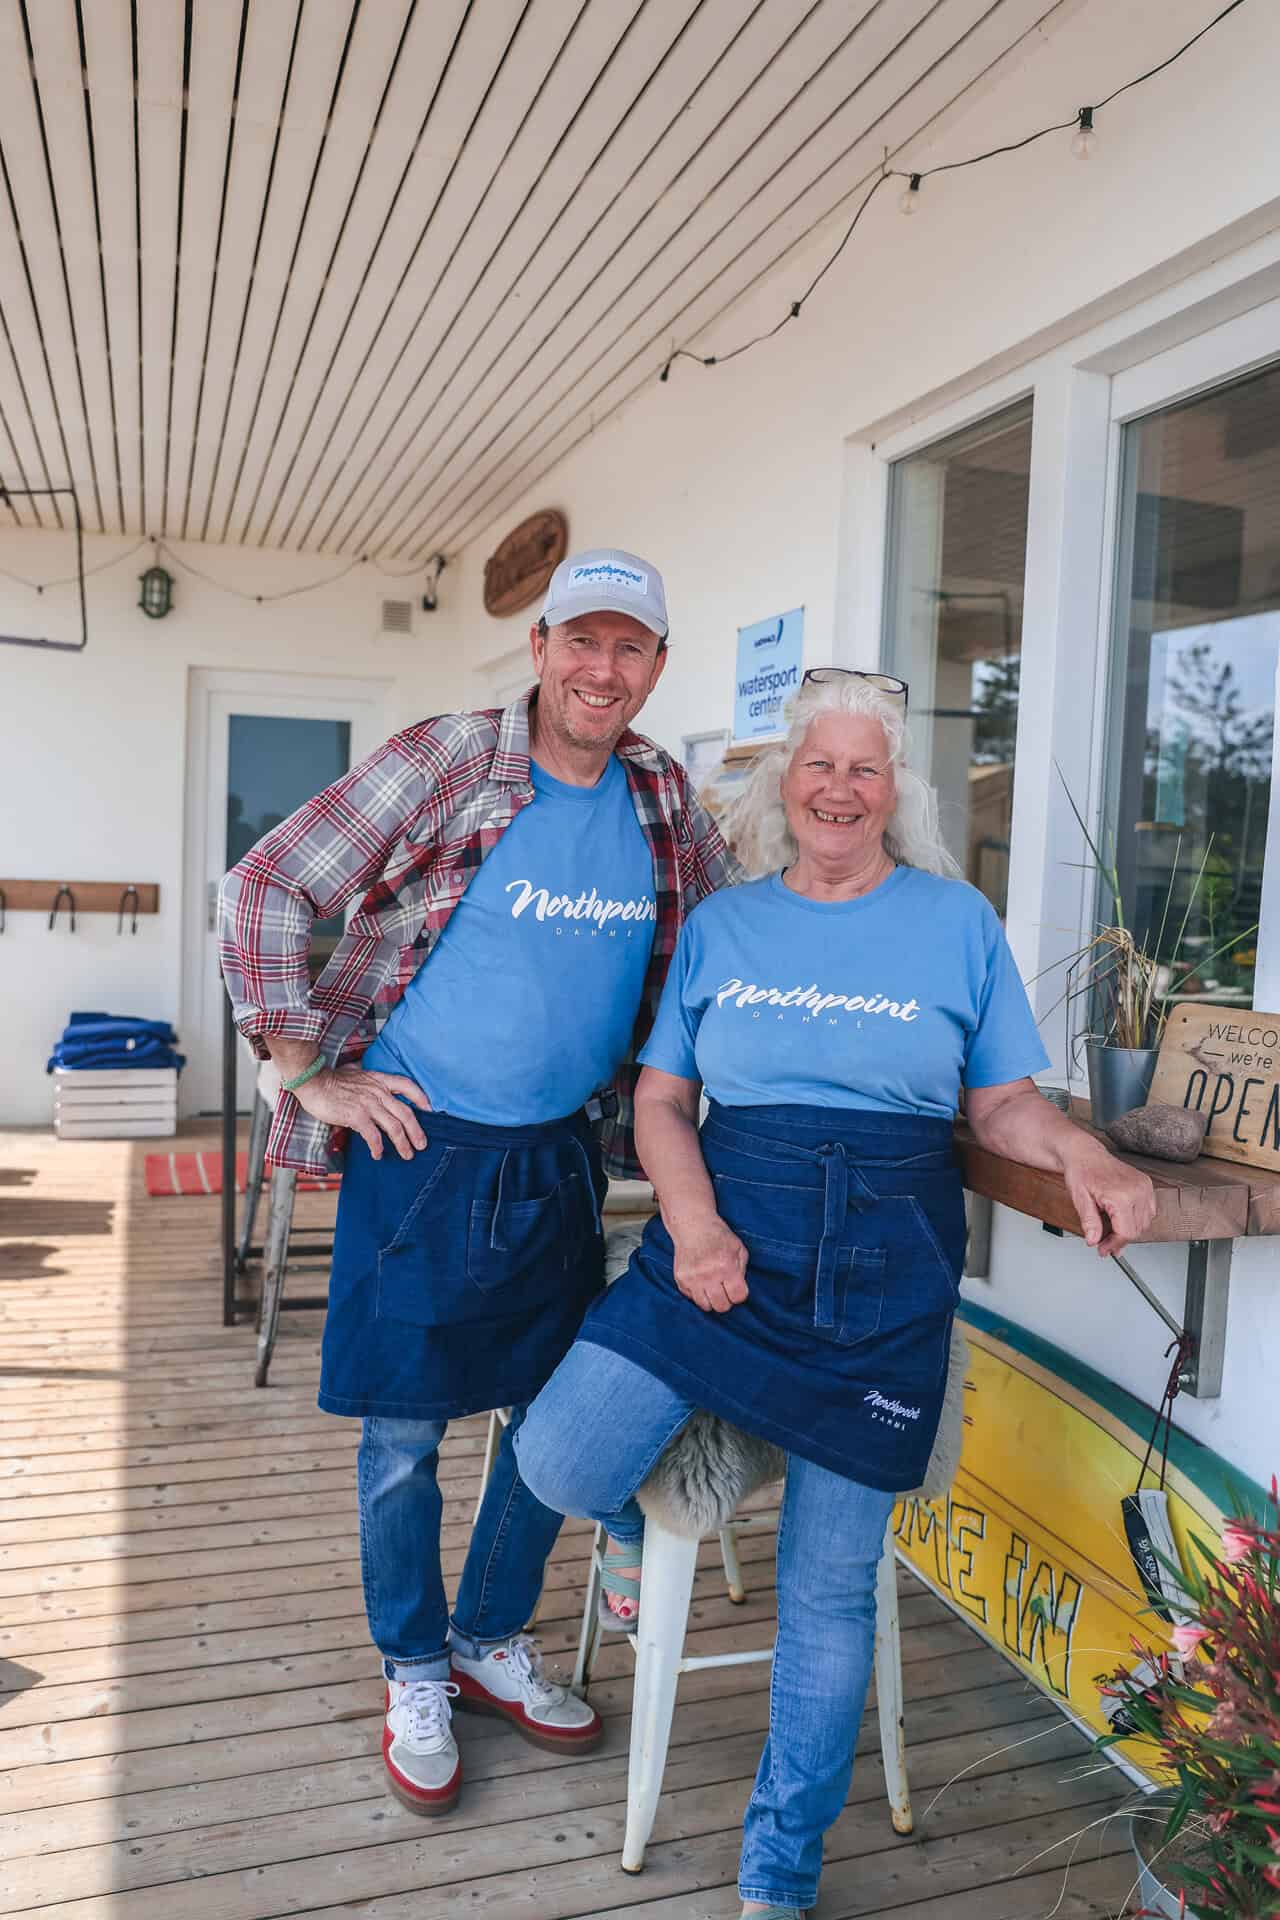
{"x": 1226, "y": 1064}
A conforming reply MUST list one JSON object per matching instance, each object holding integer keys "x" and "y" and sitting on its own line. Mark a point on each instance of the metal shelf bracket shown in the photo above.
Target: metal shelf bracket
{"x": 1206, "y": 1291}
{"x": 1207, "y": 1288}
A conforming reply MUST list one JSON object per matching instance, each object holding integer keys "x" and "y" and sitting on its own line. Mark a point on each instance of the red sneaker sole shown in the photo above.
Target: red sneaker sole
{"x": 419, "y": 1799}
{"x": 411, "y": 1798}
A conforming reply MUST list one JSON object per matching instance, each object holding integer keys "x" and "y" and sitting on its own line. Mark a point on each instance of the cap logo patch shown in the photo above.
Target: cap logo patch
{"x": 608, "y": 572}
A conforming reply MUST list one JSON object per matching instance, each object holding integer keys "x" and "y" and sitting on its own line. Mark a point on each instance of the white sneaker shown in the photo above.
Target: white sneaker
{"x": 508, "y": 1680}
{"x": 418, "y": 1747}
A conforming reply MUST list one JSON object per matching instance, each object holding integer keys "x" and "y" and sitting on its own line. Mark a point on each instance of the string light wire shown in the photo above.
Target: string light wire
{"x": 70, "y": 579}
{"x": 1082, "y": 120}
{"x": 162, "y": 547}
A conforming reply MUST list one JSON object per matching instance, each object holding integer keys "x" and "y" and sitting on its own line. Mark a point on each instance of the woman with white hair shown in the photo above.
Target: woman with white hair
{"x": 804, "y": 1271}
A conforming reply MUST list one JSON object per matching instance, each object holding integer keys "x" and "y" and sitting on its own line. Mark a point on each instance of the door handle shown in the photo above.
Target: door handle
{"x": 212, "y": 921}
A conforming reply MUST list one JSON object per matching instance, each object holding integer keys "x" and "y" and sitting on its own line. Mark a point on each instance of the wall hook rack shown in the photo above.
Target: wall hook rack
{"x": 120, "y": 897}
{"x": 63, "y": 893}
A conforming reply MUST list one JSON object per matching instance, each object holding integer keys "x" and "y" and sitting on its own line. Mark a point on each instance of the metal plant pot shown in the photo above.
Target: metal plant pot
{"x": 1144, "y": 1838}
{"x": 1119, "y": 1079}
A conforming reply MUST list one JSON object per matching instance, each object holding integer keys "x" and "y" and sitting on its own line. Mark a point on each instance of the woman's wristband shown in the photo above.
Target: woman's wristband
{"x": 318, "y": 1065}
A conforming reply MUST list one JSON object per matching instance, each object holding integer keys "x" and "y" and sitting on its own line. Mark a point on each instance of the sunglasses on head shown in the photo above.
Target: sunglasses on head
{"x": 883, "y": 682}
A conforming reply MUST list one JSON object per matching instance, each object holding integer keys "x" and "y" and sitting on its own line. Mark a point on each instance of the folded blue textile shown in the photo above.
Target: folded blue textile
{"x": 111, "y": 1040}
{"x": 147, "y": 1053}
{"x": 126, "y": 1025}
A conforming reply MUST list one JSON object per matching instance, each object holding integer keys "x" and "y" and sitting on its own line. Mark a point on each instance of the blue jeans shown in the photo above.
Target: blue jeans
{"x": 589, "y": 1440}
{"x": 400, "y": 1508}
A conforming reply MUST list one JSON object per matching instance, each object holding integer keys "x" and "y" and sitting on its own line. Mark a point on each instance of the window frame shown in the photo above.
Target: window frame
{"x": 923, "y": 730}
{"x": 1219, "y": 357}
{"x": 1208, "y": 329}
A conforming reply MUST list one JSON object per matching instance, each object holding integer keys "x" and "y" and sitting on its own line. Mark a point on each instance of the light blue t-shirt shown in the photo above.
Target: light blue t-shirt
{"x": 527, "y": 1002}
{"x": 891, "y": 1002}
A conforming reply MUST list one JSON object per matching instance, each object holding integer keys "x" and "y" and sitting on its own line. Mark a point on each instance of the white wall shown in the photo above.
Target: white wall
{"x": 732, "y": 482}
{"x": 93, "y": 755}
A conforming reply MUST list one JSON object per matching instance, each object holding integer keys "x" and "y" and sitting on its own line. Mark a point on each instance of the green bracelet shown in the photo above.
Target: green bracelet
{"x": 318, "y": 1065}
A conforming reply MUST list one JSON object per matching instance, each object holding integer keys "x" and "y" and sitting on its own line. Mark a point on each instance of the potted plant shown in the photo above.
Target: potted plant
{"x": 1210, "y": 1716}
{"x": 1127, "y": 988}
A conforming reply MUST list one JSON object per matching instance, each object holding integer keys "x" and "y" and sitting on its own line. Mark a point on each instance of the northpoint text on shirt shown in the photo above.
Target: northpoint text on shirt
{"x": 812, "y": 1000}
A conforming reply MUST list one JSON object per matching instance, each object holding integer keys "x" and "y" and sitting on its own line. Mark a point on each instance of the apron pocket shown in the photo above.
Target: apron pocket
{"x": 416, "y": 1268}
{"x": 859, "y": 1295}
{"x": 519, "y": 1239}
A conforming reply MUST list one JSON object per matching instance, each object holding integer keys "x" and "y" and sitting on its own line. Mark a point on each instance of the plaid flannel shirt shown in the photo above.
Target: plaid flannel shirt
{"x": 408, "y": 829}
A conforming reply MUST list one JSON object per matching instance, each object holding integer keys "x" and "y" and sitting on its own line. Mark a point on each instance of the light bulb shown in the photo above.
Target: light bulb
{"x": 1085, "y": 138}
{"x": 910, "y": 196}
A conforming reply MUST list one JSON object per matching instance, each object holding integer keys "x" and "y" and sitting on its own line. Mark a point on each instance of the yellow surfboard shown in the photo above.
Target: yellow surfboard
{"x": 1030, "y": 1543}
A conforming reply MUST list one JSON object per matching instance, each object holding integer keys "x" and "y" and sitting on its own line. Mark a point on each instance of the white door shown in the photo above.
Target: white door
{"x": 262, "y": 744}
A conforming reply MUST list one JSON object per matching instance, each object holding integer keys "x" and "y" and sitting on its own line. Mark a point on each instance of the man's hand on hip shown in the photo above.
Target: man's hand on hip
{"x": 370, "y": 1104}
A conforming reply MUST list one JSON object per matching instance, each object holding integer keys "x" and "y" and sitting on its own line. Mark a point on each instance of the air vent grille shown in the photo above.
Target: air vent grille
{"x": 397, "y": 616}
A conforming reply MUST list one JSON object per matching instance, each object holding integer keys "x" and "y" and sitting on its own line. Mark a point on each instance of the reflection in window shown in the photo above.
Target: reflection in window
{"x": 275, "y": 763}
{"x": 957, "y": 555}
{"x": 1198, "y": 618}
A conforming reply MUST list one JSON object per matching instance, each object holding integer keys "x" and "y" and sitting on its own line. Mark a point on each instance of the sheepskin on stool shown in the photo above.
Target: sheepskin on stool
{"x": 709, "y": 1468}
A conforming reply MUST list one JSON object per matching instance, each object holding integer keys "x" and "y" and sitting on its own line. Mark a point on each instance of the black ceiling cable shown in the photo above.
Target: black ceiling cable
{"x": 1082, "y": 121}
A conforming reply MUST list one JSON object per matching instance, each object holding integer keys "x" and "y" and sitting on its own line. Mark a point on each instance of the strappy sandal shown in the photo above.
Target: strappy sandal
{"x": 624, "y": 1586}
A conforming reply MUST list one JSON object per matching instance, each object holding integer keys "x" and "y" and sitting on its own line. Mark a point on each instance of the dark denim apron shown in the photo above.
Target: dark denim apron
{"x": 854, "y": 1227}
{"x": 460, "y": 1277}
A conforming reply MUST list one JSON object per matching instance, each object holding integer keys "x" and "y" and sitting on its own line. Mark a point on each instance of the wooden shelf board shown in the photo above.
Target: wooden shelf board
{"x": 1205, "y": 1200}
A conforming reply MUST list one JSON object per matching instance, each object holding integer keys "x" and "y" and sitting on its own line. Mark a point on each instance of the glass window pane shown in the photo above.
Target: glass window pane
{"x": 1198, "y": 625}
{"x": 957, "y": 556}
{"x": 275, "y": 763}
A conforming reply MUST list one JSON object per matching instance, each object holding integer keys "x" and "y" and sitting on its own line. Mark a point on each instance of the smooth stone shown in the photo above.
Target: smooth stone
{"x": 1163, "y": 1132}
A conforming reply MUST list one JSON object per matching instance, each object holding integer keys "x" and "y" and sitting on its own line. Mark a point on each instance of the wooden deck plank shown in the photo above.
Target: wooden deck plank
{"x": 355, "y": 1812}
{"x": 376, "y": 1861}
{"x": 213, "y": 1789}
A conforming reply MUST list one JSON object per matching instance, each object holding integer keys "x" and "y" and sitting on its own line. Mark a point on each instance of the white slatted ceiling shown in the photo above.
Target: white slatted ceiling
{"x": 109, "y": 67}
{"x": 215, "y": 39}
{"x": 159, "y": 141}
{"x": 668, "y": 233}
{"x": 591, "y": 389}
{"x": 479, "y": 221}
{"x": 266, "y": 69}
{"x": 34, "y": 296}
{"x": 385, "y": 221}
{"x": 384, "y": 261}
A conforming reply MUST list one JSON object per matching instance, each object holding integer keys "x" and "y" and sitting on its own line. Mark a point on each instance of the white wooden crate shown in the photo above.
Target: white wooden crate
{"x": 102, "y": 1103}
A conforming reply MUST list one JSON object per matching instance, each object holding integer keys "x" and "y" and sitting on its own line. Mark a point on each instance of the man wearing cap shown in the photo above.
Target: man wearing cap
{"x": 522, "y": 875}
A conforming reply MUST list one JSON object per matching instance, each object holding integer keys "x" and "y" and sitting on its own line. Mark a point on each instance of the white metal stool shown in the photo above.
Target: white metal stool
{"x": 668, "y": 1565}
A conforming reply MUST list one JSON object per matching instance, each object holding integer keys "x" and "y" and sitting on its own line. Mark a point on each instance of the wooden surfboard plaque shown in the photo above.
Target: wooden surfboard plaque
{"x": 518, "y": 572}
{"x": 1225, "y": 1063}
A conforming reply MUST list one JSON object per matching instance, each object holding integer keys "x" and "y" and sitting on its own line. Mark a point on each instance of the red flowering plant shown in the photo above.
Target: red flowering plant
{"x": 1211, "y": 1712}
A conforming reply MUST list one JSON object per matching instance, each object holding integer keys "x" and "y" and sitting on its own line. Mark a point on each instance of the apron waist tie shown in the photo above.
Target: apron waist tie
{"x": 835, "y": 1202}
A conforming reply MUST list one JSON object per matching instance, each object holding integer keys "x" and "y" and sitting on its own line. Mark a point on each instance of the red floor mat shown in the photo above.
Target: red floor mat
{"x": 174, "y": 1173}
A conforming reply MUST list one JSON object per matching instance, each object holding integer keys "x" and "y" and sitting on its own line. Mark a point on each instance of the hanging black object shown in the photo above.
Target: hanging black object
{"x": 431, "y": 586}
{"x": 1146, "y": 1510}
{"x": 157, "y": 592}
{"x": 8, "y": 494}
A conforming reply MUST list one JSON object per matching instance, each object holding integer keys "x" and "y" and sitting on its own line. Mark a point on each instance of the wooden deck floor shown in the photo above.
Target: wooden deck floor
{"x": 189, "y": 1727}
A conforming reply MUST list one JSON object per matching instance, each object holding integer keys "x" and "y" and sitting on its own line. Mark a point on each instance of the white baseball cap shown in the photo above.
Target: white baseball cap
{"x": 606, "y": 580}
